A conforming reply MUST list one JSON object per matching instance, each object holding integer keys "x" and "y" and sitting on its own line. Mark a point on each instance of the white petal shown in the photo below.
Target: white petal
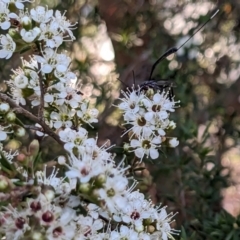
{"x": 139, "y": 152}
{"x": 46, "y": 68}
{"x": 3, "y": 136}
{"x": 154, "y": 153}
{"x": 6, "y": 25}
{"x": 135, "y": 143}
{"x": 157, "y": 98}
{"x": 149, "y": 116}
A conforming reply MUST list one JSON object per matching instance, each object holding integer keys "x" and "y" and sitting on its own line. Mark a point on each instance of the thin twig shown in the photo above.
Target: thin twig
{"x": 24, "y": 112}
{"x": 41, "y": 107}
{"x": 33, "y": 128}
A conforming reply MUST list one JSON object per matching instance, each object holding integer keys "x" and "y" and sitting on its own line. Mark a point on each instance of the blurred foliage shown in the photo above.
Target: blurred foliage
{"x": 205, "y": 72}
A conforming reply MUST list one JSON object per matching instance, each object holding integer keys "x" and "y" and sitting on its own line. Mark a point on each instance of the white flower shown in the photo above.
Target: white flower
{"x": 7, "y": 46}
{"x": 163, "y": 224}
{"x": 64, "y": 24}
{"x": 136, "y": 210}
{"x": 63, "y": 117}
{"x": 18, "y": 3}
{"x": 84, "y": 169}
{"x": 66, "y": 76}
{"x": 21, "y": 81}
{"x": 146, "y": 146}
{"x": 71, "y": 135}
{"x": 86, "y": 114}
{"x": 41, "y": 15}
{"x": 14, "y": 223}
{"x": 124, "y": 233}
{"x": 131, "y": 104}
{"x": 52, "y": 60}
{"x": 89, "y": 226}
{"x": 3, "y": 134}
{"x": 50, "y": 179}
{"x": 50, "y": 34}
{"x": 141, "y": 127}
{"x": 113, "y": 192}
{"x": 68, "y": 95}
{"x": 31, "y": 35}
{"x": 5, "y": 16}
{"x": 60, "y": 231}
{"x": 173, "y": 142}
{"x": 159, "y": 106}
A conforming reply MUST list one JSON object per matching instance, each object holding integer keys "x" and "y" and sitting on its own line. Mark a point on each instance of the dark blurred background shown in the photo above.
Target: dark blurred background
{"x": 199, "y": 179}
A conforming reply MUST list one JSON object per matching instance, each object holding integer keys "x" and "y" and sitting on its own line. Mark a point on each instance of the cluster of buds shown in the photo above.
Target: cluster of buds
{"x": 89, "y": 196}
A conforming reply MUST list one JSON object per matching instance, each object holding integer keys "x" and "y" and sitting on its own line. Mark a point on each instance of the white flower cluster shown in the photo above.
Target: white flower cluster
{"x": 66, "y": 106}
{"x": 93, "y": 200}
{"x": 39, "y": 24}
{"x": 53, "y": 213}
{"x": 148, "y": 118}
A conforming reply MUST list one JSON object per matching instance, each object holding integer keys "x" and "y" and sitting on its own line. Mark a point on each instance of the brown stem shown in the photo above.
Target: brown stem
{"x": 41, "y": 107}
{"x": 24, "y": 112}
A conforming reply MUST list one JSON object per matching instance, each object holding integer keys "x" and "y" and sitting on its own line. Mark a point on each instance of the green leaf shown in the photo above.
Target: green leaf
{"x": 183, "y": 234}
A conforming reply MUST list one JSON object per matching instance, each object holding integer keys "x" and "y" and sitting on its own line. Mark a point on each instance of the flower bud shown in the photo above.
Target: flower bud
{"x": 151, "y": 229}
{"x": 33, "y": 148}
{"x": 19, "y": 131}
{"x": 14, "y": 33}
{"x": 172, "y": 125}
{"x": 173, "y": 142}
{"x": 48, "y": 192}
{"x": 61, "y": 160}
{"x": 126, "y": 147}
{"x": 37, "y": 235}
{"x": 13, "y": 145}
{"x": 26, "y": 22}
{"x": 4, "y": 108}
{"x": 21, "y": 157}
{"x": 11, "y": 117}
{"x": 100, "y": 179}
{"x": 4, "y": 183}
{"x": 84, "y": 187}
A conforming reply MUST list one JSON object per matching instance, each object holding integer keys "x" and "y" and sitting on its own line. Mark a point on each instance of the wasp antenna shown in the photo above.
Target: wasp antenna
{"x": 123, "y": 82}
{"x": 165, "y": 55}
{"x": 175, "y": 49}
{"x": 134, "y": 80}
{"x": 198, "y": 29}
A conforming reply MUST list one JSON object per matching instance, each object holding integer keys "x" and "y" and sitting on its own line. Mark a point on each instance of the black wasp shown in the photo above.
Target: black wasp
{"x": 163, "y": 84}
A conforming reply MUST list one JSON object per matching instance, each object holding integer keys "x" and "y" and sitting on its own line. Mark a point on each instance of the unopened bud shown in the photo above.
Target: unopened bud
{"x": 11, "y": 117}
{"x": 84, "y": 187}
{"x": 100, "y": 180}
{"x": 21, "y": 157}
{"x": 173, "y": 142}
{"x": 61, "y": 160}
{"x": 4, "y": 108}
{"x": 4, "y": 183}
{"x": 126, "y": 147}
{"x": 14, "y": 33}
{"x": 27, "y": 22}
{"x": 19, "y": 131}
{"x": 33, "y": 148}
{"x": 37, "y": 236}
{"x": 172, "y": 125}
{"x": 151, "y": 229}
{"x": 48, "y": 192}
{"x": 13, "y": 145}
